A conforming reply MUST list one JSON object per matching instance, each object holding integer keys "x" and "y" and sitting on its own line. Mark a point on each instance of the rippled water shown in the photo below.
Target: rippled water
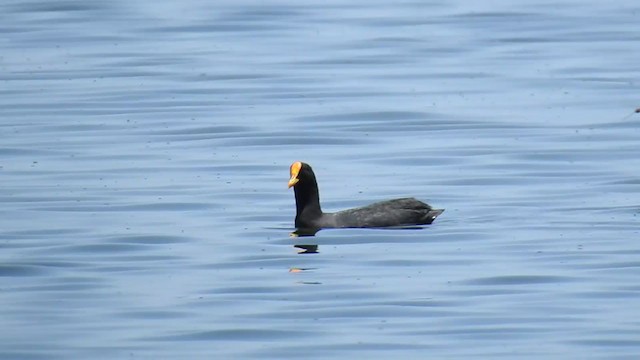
{"x": 144, "y": 157}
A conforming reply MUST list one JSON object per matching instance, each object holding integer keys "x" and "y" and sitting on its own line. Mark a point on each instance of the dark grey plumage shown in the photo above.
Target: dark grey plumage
{"x": 397, "y": 212}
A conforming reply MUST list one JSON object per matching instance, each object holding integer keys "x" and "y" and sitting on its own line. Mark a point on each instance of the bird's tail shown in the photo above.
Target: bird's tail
{"x": 433, "y": 214}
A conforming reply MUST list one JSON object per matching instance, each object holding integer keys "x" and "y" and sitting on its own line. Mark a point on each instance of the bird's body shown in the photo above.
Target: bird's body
{"x": 396, "y": 212}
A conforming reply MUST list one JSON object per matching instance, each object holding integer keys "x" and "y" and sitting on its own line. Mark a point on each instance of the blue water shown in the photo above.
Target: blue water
{"x": 144, "y": 155}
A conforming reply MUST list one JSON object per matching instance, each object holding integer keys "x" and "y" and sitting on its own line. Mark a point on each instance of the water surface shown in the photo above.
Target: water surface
{"x": 144, "y": 160}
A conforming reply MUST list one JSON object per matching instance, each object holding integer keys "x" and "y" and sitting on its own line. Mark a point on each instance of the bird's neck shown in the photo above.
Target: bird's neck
{"x": 308, "y": 200}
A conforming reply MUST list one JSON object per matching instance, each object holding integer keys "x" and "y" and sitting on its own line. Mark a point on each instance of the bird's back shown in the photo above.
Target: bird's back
{"x": 397, "y": 212}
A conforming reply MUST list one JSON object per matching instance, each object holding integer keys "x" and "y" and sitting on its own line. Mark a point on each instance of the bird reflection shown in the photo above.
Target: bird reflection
{"x": 306, "y": 249}
{"x": 303, "y": 232}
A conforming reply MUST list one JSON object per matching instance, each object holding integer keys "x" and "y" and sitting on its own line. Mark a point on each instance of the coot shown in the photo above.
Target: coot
{"x": 396, "y": 212}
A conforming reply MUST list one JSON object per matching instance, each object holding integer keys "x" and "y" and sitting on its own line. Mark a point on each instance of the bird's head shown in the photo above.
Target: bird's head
{"x": 301, "y": 174}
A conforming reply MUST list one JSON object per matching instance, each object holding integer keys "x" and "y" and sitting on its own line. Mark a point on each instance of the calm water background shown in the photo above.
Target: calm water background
{"x": 144, "y": 153}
